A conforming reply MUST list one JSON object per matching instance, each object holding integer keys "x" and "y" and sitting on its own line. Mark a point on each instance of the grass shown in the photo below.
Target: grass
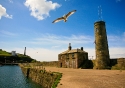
{"x": 4, "y": 53}
{"x": 59, "y": 75}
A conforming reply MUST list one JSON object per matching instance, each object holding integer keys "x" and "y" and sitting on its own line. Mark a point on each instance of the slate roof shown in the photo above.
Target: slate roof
{"x": 73, "y": 51}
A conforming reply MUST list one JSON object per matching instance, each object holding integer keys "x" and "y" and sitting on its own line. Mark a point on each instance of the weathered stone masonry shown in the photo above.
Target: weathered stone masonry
{"x": 101, "y": 46}
{"x": 42, "y": 77}
{"x": 72, "y": 58}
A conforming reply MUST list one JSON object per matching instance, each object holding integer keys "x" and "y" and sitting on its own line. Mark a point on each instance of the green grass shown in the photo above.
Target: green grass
{"x": 4, "y": 53}
{"x": 57, "y": 79}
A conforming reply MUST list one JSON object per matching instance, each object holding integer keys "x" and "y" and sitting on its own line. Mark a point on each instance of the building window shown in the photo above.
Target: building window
{"x": 62, "y": 56}
{"x": 73, "y": 55}
{"x": 67, "y": 56}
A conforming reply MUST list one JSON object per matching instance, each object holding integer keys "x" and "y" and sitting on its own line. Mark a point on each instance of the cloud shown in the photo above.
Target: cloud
{"x": 7, "y": 33}
{"x": 10, "y": 1}
{"x": 40, "y": 54}
{"x": 40, "y": 8}
{"x": 3, "y": 12}
{"x": 67, "y": 0}
{"x": 51, "y": 45}
{"x": 115, "y": 40}
{"x": 117, "y": 52}
{"x": 44, "y": 54}
{"x": 118, "y": 0}
{"x": 124, "y": 36}
{"x": 58, "y": 39}
{"x": 48, "y": 46}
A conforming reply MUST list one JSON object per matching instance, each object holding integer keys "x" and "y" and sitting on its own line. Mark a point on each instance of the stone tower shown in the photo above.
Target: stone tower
{"x": 25, "y": 51}
{"x": 101, "y": 46}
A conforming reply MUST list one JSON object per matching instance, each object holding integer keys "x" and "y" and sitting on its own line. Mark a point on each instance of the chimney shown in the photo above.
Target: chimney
{"x": 69, "y": 48}
{"x": 82, "y": 48}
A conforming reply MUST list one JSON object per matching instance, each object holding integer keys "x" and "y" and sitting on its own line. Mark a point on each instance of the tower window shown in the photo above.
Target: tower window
{"x": 97, "y": 29}
{"x": 96, "y": 55}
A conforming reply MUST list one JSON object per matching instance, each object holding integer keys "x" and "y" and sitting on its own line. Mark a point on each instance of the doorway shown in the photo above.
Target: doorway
{"x": 60, "y": 64}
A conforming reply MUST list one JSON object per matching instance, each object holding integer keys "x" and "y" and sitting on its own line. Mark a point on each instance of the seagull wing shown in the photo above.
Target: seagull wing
{"x": 58, "y": 19}
{"x": 70, "y": 13}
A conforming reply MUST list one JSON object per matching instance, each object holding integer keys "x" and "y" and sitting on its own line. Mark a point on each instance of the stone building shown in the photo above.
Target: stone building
{"x": 72, "y": 58}
{"x": 101, "y": 46}
{"x": 13, "y": 53}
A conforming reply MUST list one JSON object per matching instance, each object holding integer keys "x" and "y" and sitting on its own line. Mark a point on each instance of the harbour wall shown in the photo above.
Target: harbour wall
{"x": 46, "y": 79}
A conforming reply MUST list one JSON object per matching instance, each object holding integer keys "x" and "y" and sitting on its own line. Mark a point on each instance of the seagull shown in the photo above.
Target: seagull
{"x": 64, "y": 17}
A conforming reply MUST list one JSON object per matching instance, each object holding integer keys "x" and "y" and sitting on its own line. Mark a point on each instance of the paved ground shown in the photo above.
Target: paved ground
{"x": 88, "y": 78}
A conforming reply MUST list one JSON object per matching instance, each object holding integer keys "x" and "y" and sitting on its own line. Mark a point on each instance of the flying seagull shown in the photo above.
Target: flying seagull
{"x": 64, "y": 17}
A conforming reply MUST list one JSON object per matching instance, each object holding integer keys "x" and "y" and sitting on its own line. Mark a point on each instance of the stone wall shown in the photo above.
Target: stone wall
{"x": 41, "y": 76}
{"x": 51, "y": 63}
{"x": 45, "y": 63}
{"x": 118, "y": 63}
{"x": 82, "y": 58}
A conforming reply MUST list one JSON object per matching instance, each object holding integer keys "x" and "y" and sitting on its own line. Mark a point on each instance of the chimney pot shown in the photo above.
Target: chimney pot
{"x": 69, "y": 48}
{"x": 82, "y": 48}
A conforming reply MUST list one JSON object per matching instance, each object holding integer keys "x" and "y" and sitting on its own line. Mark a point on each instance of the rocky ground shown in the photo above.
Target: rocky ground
{"x": 89, "y": 78}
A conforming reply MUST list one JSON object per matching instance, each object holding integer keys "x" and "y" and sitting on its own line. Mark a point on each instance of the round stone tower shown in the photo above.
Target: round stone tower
{"x": 101, "y": 46}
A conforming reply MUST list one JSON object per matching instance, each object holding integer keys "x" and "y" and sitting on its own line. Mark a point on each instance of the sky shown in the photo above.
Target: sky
{"x": 28, "y": 23}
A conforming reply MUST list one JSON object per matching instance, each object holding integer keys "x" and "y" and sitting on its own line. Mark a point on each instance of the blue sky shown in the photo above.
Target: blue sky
{"x": 28, "y": 23}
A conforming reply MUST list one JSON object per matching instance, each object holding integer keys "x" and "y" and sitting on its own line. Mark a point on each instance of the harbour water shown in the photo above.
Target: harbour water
{"x": 12, "y": 77}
